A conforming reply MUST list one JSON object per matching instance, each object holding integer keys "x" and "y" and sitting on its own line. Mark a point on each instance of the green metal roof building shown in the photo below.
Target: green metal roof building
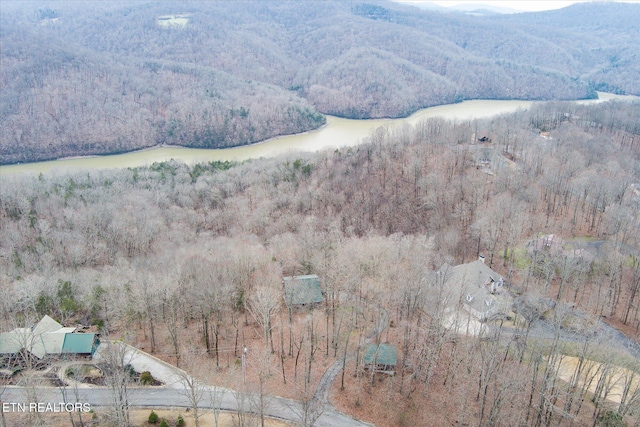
{"x": 47, "y": 338}
{"x": 381, "y": 356}
{"x": 302, "y": 290}
{"x": 80, "y": 344}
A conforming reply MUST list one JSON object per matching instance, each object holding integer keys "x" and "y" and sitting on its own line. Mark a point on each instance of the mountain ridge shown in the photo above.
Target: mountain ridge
{"x": 112, "y": 79}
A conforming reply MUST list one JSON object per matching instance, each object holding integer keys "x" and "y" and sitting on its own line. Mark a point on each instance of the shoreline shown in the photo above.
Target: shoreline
{"x": 160, "y": 146}
{"x": 334, "y": 133}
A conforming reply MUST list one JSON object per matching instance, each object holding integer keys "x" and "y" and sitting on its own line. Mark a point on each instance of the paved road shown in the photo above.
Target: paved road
{"x": 601, "y": 335}
{"x": 172, "y": 394}
{"x": 278, "y": 407}
{"x": 322, "y": 392}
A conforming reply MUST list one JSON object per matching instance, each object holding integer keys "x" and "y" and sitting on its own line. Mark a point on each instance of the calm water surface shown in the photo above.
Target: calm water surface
{"x": 336, "y": 133}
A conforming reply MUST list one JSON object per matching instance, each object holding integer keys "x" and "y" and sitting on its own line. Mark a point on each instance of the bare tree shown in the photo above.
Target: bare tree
{"x": 262, "y": 399}
{"x": 207, "y": 288}
{"x": 630, "y": 389}
{"x": 149, "y": 300}
{"x": 33, "y": 386}
{"x": 433, "y": 330}
{"x": 242, "y": 417}
{"x": 118, "y": 375}
{"x": 191, "y": 379}
{"x": 70, "y": 390}
{"x": 216, "y": 397}
{"x": 307, "y": 407}
{"x": 171, "y": 311}
{"x": 3, "y": 422}
{"x": 263, "y": 305}
{"x": 24, "y": 339}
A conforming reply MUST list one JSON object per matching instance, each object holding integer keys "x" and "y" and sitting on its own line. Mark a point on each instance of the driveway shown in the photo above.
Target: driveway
{"x": 168, "y": 374}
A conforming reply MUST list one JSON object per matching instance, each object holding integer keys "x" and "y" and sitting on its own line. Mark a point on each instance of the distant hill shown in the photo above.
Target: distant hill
{"x": 602, "y": 36}
{"x": 471, "y": 8}
{"x": 101, "y": 77}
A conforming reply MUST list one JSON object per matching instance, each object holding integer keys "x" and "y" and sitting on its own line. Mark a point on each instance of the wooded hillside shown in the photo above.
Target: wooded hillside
{"x": 84, "y": 78}
{"x": 196, "y": 248}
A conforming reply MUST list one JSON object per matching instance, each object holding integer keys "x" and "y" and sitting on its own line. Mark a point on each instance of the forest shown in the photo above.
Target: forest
{"x": 176, "y": 256}
{"x": 87, "y": 78}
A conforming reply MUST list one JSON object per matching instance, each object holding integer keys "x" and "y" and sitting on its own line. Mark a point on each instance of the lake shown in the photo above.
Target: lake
{"x": 338, "y": 132}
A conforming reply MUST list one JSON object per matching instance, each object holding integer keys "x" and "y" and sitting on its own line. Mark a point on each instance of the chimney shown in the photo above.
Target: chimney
{"x": 481, "y": 258}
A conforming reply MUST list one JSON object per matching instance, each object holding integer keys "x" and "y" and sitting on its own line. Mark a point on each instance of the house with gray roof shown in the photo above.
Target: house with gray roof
{"x": 46, "y": 324}
{"x": 48, "y": 343}
{"x": 11, "y": 343}
{"x": 488, "y": 159}
{"x": 474, "y": 287}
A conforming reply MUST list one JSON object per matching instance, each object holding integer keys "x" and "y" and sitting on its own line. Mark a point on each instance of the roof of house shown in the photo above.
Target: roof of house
{"x": 380, "y": 354}
{"x": 47, "y": 337}
{"x": 79, "y": 344}
{"x": 12, "y": 342}
{"x": 471, "y": 284}
{"x": 489, "y": 155}
{"x": 474, "y": 274}
{"x": 476, "y": 278}
{"x": 46, "y": 324}
{"x": 47, "y": 343}
{"x": 302, "y": 290}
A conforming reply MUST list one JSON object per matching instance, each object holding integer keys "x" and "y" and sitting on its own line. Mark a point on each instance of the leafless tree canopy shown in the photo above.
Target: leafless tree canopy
{"x": 172, "y": 247}
{"x": 82, "y": 78}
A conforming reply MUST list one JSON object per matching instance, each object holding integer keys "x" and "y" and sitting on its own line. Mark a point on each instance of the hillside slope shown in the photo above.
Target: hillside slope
{"x": 84, "y": 78}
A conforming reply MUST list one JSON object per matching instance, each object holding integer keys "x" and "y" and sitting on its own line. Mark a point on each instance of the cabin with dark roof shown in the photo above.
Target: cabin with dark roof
{"x": 381, "y": 358}
{"x": 302, "y": 291}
